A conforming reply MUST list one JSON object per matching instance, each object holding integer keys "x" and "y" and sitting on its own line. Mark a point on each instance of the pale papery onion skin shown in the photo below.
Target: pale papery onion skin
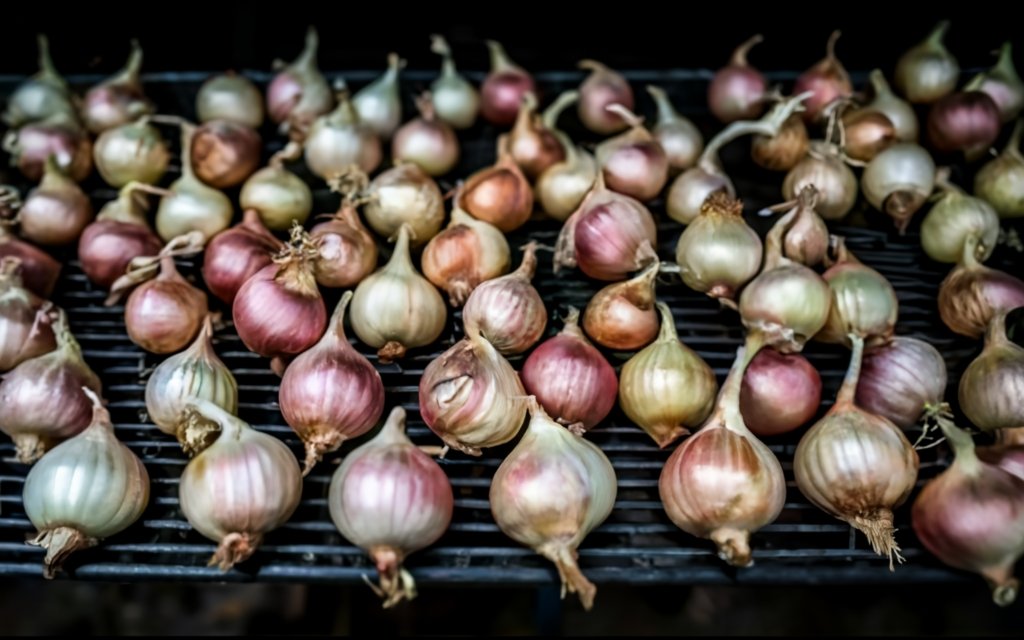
{"x": 835, "y": 182}
{"x": 781, "y": 393}
{"x": 428, "y": 141}
{"x": 386, "y": 476}
{"x": 457, "y": 101}
{"x": 900, "y": 379}
{"x": 231, "y": 97}
{"x": 718, "y": 252}
{"x": 993, "y": 383}
{"x": 87, "y": 488}
{"x": 132, "y": 152}
{"x": 405, "y": 194}
{"x": 927, "y": 71}
{"x": 551, "y": 491}
{"x": 954, "y": 218}
{"x": 1000, "y": 181}
{"x": 241, "y": 487}
{"x": 863, "y": 302}
{"x": 379, "y": 104}
{"x": 163, "y": 315}
{"x": 737, "y": 91}
{"x": 899, "y": 112}
{"x": 622, "y": 316}
{"x": 898, "y": 181}
{"x": 281, "y": 197}
{"x": 24, "y": 319}
{"x": 339, "y": 139}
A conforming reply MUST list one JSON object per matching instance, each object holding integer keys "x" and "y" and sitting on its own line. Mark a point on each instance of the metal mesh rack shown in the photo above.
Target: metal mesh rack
{"x": 637, "y": 544}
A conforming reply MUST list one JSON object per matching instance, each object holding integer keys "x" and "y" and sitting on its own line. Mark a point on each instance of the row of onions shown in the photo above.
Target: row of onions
{"x": 722, "y": 483}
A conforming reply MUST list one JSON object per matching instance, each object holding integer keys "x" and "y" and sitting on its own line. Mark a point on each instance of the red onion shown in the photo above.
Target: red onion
{"x": 347, "y": 251}
{"x": 901, "y": 379}
{"x": 972, "y": 294}
{"x": 737, "y": 92}
{"x": 972, "y": 517}
{"x": 1003, "y": 85}
{"x": 781, "y": 393}
{"x": 427, "y": 140}
{"x": 603, "y": 87}
{"x": 622, "y": 316}
{"x": 278, "y": 312}
{"x": 59, "y": 136}
{"x": 508, "y": 311}
{"x": 119, "y": 234}
{"x": 118, "y": 99}
{"x": 331, "y": 393}
{"x": 236, "y": 254}
{"x": 225, "y": 153}
{"x": 571, "y": 379}
{"x": 299, "y": 92}
{"x": 391, "y": 499}
{"x": 163, "y": 315}
{"x": 39, "y": 270}
{"x": 609, "y": 236}
{"x": 43, "y": 399}
{"x": 533, "y": 144}
{"x": 499, "y": 194}
{"x": 24, "y": 319}
{"x": 503, "y": 88}
{"x": 1007, "y": 454}
{"x": 633, "y": 163}
{"x": 965, "y": 121}
{"x": 827, "y": 80}
{"x": 55, "y": 212}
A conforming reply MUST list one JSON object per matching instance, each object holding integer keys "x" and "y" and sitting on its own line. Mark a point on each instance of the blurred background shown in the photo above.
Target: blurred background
{"x": 188, "y": 35}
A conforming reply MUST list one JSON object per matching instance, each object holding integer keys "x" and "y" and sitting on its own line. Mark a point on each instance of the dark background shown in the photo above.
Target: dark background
{"x": 90, "y": 38}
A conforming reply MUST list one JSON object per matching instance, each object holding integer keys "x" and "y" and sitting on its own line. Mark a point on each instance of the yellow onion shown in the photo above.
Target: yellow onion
{"x": 131, "y": 152}
{"x": 784, "y": 150}
{"x": 667, "y": 388}
{"x": 678, "y": 136}
{"x": 404, "y": 194}
{"x": 622, "y": 316}
{"x": 41, "y": 95}
{"x": 192, "y": 205}
{"x": 863, "y": 301}
{"x": 378, "y": 103}
{"x": 499, "y": 194}
{"x": 973, "y": 294}
{"x": 561, "y": 188}
{"x": 824, "y": 168}
{"x": 927, "y": 71}
{"x": 992, "y": 385}
{"x": 339, "y": 139}
{"x": 531, "y": 143}
{"x": 456, "y": 100}
{"x": 897, "y": 110}
{"x": 898, "y": 181}
{"x": 866, "y": 133}
{"x": 806, "y": 240}
{"x": 1001, "y": 181}
{"x": 230, "y": 97}
{"x": 278, "y": 195}
{"x": 466, "y": 253}
{"x": 954, "y": 218}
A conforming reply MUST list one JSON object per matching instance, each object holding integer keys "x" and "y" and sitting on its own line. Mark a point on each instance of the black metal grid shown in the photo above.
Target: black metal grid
{"x": 637, "y": 544}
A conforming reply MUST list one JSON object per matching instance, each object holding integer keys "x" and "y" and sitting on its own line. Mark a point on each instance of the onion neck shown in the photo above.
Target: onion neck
{"x": 306, "y": 62}
{"x": 47, "y": 71}
{"x": 100, "y": 415}
{"x": 54, "y": 178}
{"x": 188, "y": 132}
{"x": 231, "y": 427}
{"x": 393, "y": 430}
{"x": 336, "y": 334}
{"x": 1013, "y": 144}
{"x": 768, "y": 126}
{"x": 524, "y": 125}
{"x": 129, "y": 74}
{"x": 528, "y": 267}
{"x": 637, "y": 131}
{"x": 66, "y": 341}
{"x": 848, "y": 392}
{"x": 995, "y": 333}
{"x": 440, "y": 46}
{"x": 728, "y": 407}
{"x": 667, "y": 329}
{"x": 966, "y": 458}
{"x": 400, "y": 259}
{"x": 969, "y": 257}
{"x": 640, "y": 289}
{"x": 555, "y": 109}
{"x": 572, "y": 326}
{"x": 739, "y": 55}
{"x": 933, "y": 42}
{"x": 667, "y": 114}
{"x": 130, "y": 206}
{"x": 880, "y": 86}
{"x": 500, "y": 62}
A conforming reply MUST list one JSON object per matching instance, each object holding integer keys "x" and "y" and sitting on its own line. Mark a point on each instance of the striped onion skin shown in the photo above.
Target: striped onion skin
{"x": 992, "y": 386}
{"x": 508, "y": 311}
{"x": 195, "y": 373}
{"x": 87, "y": 488}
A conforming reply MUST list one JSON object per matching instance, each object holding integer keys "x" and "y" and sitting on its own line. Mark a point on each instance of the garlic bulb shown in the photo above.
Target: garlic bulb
{"x": 241, "y": 487}
{"x": 466, "y": 253}
{"x": 195, "y": 373}
{"x": 395, "y": 308}
{"x": 722, "y": 483}
{"x": 550, "y": 492}
{"x": 667, "y": 388}
{"x": 471, "y": 396}
{"x": 404, "y": 194}
{"x": 993, "y": 384}
{"x": 718, "y": 252}
{"x": 863, "y": 301}
{"x": 87, "y": 488}
{"x": 391, "y": 499}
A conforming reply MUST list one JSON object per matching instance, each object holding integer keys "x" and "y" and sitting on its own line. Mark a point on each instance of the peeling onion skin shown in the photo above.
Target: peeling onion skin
{"x": 390, "y": 475}
{"x": 899, "y": 380}
{"x": 551, "y": 491}
{"x": 992, "y": 386}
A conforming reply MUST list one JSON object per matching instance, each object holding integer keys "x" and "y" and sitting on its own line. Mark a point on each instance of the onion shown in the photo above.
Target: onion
{"x": 867, "y": 133}
{"x": 119, "y": 234}
{"x": 723, "y": 484}
{"x": 119, "y": 99}
{"x": 499, "y": 194}
{"x": 621, "y": 316}
{"x": 379, "y": 105}
{"x": 404, "y": 194}
{"x": 131, "y": 152}
{"x": 1000, "y": 182}
{"x": 55, "y": 212}
{"x": 955, "y": 217}
{"x": 737, "y": 92}
{"x": 550, "y": 492}
{"x": 386, "y": 476}
{"x": 339, "y": 139}
{"x": 667, "y": 388}
{"x": 24, "y": 319}
{"x": 824, "y": 168}
{"x": 43, "y": 399}
{"x": 928, "y": 70}
{"x": 857, "y": 466}
{"x": 608, "y": 237}
{"x": 898, "y": 181}
{"x": 194, "y": 374}
{"x": 192, "y": 206}
{"x": 236, "y": 254}
{"x": 395, "y": 308}
{"x": 299, "y": 93}
{"x": 691, "y": 188}
{"x": 60, "y": 136}
{"x": 41, "y": 96}
{"x": 678, "y": 136}
{"x": 863, "y": 302}
{"x": 346, "y": 251}
{"x": 902, "y": 379}
{"x": 633, "y": 163}
{"x": 603, "y": 87}
{"x": 230, "y": 97}
{"x": 532, "y": 144}
{"x": 278, "y": 312}
{"x": 570, "y": 378}
{"x": 897, "y": 110}
{"x": 39, "y": 270}
{"x": 784, "y": 150}
{"x": 1003, "y": 85}
{"x": 427, "y": 141}
{"x": 991, "y": 386}
{"x": 331, "y": 393}
{"x": 561, "y": 188}
{"x": 965, "y": 121}
{"x": 471, "y": 397}
{"x": 456, "y": 101}
{"x": 827, "y": 80}
{"x": 88, "y": 488}
{"x": 508, "y": 311}
{"x": 973, "y": 294}
{"x": 1007, "y": 454}
{"x": 806, "y": 239}
{"x": 718, "y": 253}
{"x": 242, "y": 486}
{"x": 503, "y": 88}
{"x": 281, "y": 197}
{"x": 972, "y": 517}
{"x": 225, "y": 153}
{"x": 781, "y": 392}
{"x": 466, "y": 253}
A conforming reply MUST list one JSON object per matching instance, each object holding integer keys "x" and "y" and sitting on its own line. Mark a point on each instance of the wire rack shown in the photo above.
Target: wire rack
{"x": 637, "y": 544}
